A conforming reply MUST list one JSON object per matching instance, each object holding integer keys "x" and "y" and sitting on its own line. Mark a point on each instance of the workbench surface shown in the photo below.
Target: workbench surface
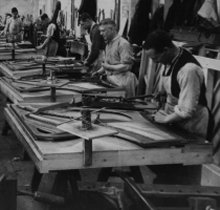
{"x": 19, "y": 52}
{"x": 18, "y": 91}
{"x": 109, "y": 151}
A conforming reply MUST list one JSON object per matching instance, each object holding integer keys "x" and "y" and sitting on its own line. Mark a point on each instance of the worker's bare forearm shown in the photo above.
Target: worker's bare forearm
{"x": 117, "y": 67}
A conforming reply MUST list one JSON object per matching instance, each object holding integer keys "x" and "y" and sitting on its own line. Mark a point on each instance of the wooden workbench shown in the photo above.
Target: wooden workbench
{"x": 16, "y": 96}
{"x": 66, "y": 93}
{"x": 107, "y": 151}
{"x": 19, "y": 53}
{"x": 28, "y": 68}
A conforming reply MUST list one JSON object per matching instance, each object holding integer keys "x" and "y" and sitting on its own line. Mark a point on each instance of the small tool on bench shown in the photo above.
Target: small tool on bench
{"x": 43, "y": 197}
{"x": 113, "y": 102}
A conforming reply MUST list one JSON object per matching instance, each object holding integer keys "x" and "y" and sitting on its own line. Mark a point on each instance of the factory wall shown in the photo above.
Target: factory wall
{"x": 24, "y": 7}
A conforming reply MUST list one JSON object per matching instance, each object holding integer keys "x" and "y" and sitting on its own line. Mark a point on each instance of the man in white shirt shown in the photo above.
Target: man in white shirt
{"x": 182, "y": 83}
{"x": 14, "y": 26}
{"x": 118, "y": 60}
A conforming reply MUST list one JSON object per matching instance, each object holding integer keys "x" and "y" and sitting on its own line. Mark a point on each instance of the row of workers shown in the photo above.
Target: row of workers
{"x": 111, "y": 54}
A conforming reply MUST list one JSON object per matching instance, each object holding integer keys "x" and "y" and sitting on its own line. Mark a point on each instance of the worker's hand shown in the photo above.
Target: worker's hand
{"x": 39, "y": 47}
{"x": 85, "y": 63}
{"x": 107, "y": 67}
{"x": 96, "y": 73}
{"x": 161, "y": 117}
{"x": 99, "y": 72}
{"x": 159, "y": 99}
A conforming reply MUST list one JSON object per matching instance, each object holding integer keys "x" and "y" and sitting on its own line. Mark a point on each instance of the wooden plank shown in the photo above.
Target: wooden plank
{"x": 210, "y": 87}
{"x": 145, "y": 130}
{"x": 11, "y": 94}
{"x": 136, "y": 157}
{"x": 24, "y": 137}
{"x": 209, "y": 63}
{"x": 96, "y": 131}
{"x": 210, "y": 175}
{"x": 142, "y": 72}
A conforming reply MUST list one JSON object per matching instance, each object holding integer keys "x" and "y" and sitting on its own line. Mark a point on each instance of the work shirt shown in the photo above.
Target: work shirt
{"x": 51, "y": 29}
{"x": 52, "y": 46}
{"x": 14, "y": 28}
{"x": 194, "y": 115}
{"x": 119, "y": 51}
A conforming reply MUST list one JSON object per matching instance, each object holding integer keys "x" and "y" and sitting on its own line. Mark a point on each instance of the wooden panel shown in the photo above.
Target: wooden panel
{"x": 96, "y": 131}
{"x": 142, "y": 72}
{"x": 210, "y": 175}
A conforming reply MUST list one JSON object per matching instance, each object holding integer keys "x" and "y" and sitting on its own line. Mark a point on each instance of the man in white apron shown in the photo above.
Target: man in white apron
{"x": 183, "y": 83}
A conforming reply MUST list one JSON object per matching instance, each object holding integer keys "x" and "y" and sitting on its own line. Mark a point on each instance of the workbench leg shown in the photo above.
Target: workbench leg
{"x": 63, "y": 178}
{"x": 26, "y": 156}
{"x": 104, "y": 174}
{"x": 135, "y": 172}
{"x": 36, "y": 179}
{"x": 5, "y": 128}
{"x": 73, "y": 176}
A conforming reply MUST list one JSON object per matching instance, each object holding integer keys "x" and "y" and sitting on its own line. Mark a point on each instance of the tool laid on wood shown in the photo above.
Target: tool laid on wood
{"x": 97, "y": 101}
{"x": 43, "y": 197}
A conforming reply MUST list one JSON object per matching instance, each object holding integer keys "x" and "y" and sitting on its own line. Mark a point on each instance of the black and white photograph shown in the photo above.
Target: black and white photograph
{"x": 109, "y": 104}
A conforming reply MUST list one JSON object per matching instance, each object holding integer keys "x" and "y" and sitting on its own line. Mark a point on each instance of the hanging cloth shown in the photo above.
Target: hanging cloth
{"x": 90, "y": 7}
{"x": 139, "y": 27}
{"x": 209, "y": 10}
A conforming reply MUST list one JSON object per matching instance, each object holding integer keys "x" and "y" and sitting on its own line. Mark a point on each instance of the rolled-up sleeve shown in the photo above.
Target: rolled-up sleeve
{"x": 190, "y": 79}
{"x": 126, "y": 53}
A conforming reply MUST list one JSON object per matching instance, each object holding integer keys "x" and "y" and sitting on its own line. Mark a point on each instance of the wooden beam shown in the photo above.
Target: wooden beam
{"x": 142, "y": 72}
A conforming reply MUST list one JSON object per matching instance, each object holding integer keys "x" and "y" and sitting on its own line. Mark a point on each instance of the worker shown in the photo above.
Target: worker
{"x": 118, "y": 58}
{"x": 45, "y": 20}
{"x": 14, "y": 26}
{"x": 52, "y": 42}
{"x": 96, "y": 54}
{"x": 182, "y": 81}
